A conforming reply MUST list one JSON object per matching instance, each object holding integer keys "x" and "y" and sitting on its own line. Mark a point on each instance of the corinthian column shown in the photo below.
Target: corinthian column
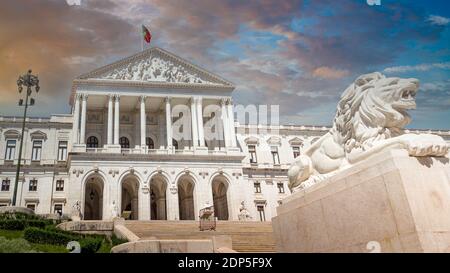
{"x": 231, "y": 123}
{"x": 143, "y": 120}
{"x": 224, "y": 116}
{"x": 168, "y": 122}
{"x": 110, "y": 119}
{"x": 83, "y": 118}
{"x": 116, "y": 119}
{"x": 194, "y": 123}
{"x": 76, "y": 119}
{"x": 201, "y": 133}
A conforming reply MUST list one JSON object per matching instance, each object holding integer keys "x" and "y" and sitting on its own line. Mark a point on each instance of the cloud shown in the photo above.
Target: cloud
{"x": 330, "y": 73}
{"x": 419, "y": 67}
{"x": 438, "y": 20}
{"x": 443, "y": 86}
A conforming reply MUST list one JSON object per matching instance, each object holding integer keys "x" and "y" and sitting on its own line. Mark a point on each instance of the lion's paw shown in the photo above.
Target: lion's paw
{"x": 428, "y": 148}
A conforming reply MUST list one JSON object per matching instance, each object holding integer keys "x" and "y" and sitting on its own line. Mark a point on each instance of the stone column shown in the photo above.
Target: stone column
{"x": 168, "y": 123}
{"x": 231, "y": 123}
{"x": 172, "y": 204}
{"x": 224, "y": 116}
{"x": 201, "y": 134}
{"x": 194, "y": 123}
{"x": 116, "y": 119}
{"x": 76, "y": 119}
{"x": 110, "y": 119}
{"x": 83, "y": 118}
{"x": 143, "y": 121}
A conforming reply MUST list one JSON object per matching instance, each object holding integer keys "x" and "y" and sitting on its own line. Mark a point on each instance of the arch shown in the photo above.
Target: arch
{"x": 150, "y": 143}
{"x": 186, "y": 201}
{"x": 129, "y": 195}
{"x": 158, "y": 197}
{"x": 124, "y": 142}
{"x": 220, "y": 188}
{"x": 93, "y": 197}
{"x": 175, "y": 144}
{"x": 92, "y": 142}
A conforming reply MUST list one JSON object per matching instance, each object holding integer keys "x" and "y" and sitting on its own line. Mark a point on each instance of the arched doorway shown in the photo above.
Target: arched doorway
{"x": 158, "y": 187}
{"x": 93, "y": 198}
{"x": 186, "y": 197}
{"x": 220, "y": 199}
{"x": 130, "y": 197}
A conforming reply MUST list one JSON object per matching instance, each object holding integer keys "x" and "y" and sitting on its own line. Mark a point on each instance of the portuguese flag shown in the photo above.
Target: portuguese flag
{"x": 146, "y": 33}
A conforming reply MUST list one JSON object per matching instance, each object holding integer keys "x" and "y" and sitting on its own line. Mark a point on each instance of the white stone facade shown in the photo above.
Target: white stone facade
{"x": 117, "y": 148}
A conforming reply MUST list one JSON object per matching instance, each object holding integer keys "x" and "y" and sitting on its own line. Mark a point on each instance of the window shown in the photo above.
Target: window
{"x": 257, "y": 186}
{"x": 10, "y": 149}
{"x": 31, "y": 206}
{"x": 92, "y": 142}
{"x": 175, "y": 144}
{"x": 33, "y": 185}
{"x": 124, "y": 143}
{"x": 252, "y": 152}
{"x": 6, "y": 184}
{"x": 58, "y": 209}
{"x": 280, "y": 187}
{"x": 60, "y": 185}
{"x": 37, "y": 150}
{"x": 275, "y": 156}
{"x": 262, "y": 214}
{"x": 296, "y": 150}
{"x": 62, "y": 151}
{"x": 150, "y": 144}
{"x": 3, "y": 205}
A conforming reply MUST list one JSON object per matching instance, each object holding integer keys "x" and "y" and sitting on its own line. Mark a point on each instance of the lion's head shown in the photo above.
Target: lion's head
{"x": 373, "y": 108}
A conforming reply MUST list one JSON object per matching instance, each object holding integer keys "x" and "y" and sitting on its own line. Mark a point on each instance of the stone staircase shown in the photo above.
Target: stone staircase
{"x": 246, "y": 236}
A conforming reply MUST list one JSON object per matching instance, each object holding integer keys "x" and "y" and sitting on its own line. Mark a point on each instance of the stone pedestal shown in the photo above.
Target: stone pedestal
{"x": 398, "y": 202}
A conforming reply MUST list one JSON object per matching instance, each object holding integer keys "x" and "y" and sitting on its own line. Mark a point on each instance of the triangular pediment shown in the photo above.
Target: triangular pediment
{"x": 155, "y": 65}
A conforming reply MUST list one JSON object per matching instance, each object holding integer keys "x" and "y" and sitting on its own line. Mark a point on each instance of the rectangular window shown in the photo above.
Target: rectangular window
{"x": 6, "y": 184}
{"x": 3, "y": 205}
{"x": 252, "y": 152}
{"x": 58, "y": 209}
{"x": 33, "y": 185}
{"x": 10, "y": 149}
{"x": 60, "y": 185}
{"x": 280, "y": 187}
{"x": 31, "y": 206}
{"x": 262, "y": 214}
{"x": 62, "y": 151}
{"x": 257, "y": 186}
{"x": 37, "y": 150}
{"x": 296, "y": 151}
{"x": 275, "y": 156}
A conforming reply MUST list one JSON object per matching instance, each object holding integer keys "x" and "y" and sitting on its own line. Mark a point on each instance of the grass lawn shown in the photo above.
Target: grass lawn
{"x": 11, "y": 234}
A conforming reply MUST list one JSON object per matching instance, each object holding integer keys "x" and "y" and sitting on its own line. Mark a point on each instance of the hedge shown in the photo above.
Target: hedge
{"x": 21, "y": 224}
{"x": 88, "y": 244}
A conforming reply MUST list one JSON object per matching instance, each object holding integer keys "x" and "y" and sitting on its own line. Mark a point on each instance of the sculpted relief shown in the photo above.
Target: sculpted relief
{"x": 154, "y": 69}
{"x": 370, "y": 119}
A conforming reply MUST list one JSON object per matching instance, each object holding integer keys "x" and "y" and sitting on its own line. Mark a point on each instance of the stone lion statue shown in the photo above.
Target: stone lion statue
{"x": 370, "y": 119}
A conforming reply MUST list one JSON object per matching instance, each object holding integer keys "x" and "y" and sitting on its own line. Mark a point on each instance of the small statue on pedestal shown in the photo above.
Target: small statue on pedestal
{"x": 244, "y": 215}
{"x": 76, "y": 212}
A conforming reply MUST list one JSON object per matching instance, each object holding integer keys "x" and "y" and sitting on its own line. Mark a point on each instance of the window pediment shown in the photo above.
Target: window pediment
{"x": 252, "y": 140}
{"x": 273, "y": 140}
{"x": 14, "y": 134}
{"x": 296, "y": 141}
{"x": 38, "y": 135}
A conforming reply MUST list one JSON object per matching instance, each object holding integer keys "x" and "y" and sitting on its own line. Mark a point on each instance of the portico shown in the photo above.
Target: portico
{"x": 152, "y": 102}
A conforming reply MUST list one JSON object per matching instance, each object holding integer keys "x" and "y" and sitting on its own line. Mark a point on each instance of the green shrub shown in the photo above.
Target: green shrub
{"x": 90, "y": 245}
{"x": 15, "y": 246}
{"x": 44, "y": 236}
{"x": 117, "y": 241}
{"x": 21, "y": 224}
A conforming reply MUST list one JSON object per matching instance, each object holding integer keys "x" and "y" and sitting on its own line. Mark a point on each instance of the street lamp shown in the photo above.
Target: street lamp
{"x": 27, "y": 81}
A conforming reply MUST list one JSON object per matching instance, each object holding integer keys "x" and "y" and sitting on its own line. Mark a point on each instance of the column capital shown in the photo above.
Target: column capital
{"x": 78, "y": 96}
{"x": 223, "y": 101}
{"x": 142, "y": 99}
{"x": 117, "y": 97}
{"x": 111, "y": 97}
{"x": 193, "y": 100}
{"x": 167, "y": 99}
{"x": 230, "y": 101}
{"x": 85, "y": 96}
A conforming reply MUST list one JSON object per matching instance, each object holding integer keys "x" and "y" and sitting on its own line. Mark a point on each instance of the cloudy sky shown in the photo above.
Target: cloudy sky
{"x": 299, "y": 54}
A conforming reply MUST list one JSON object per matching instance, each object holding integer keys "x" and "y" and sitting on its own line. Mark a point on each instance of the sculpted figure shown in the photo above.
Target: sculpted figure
{"x": 114, "y": 210}
{"x": 370, "y": 119}
{"x": 244, "y": 215}
{"x": 76, "y": 212}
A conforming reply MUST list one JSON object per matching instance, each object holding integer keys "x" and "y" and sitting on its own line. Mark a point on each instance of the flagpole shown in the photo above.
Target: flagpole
{"x": 142, "y": 39}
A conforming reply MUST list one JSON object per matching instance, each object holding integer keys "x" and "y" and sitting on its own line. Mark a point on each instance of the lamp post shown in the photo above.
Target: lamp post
{"x": 28, "y": 80}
